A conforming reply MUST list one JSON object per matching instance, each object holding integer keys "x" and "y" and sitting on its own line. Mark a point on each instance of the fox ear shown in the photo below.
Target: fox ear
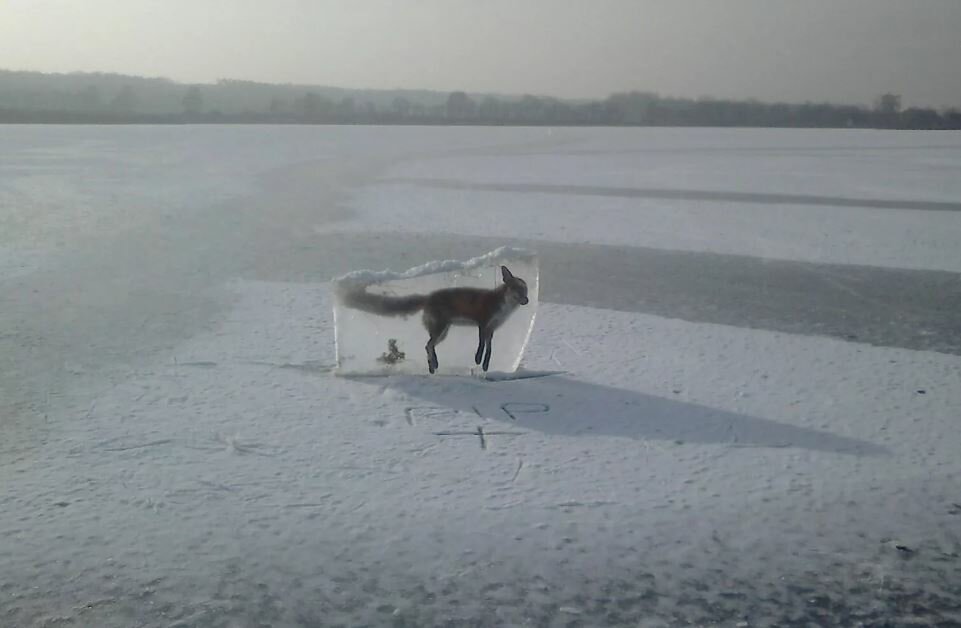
{"x": 506, "y": 274}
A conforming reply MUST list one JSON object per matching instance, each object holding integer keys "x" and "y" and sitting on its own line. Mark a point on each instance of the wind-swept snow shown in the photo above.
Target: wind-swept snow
{"x": 177, "y": 451}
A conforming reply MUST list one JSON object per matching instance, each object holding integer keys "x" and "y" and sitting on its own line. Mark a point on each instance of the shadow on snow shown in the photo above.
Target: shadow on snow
{"x": 564, "y": 406}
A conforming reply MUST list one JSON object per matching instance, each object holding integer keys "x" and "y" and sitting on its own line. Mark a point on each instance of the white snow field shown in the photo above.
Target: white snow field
{"x": 739, "y": 407}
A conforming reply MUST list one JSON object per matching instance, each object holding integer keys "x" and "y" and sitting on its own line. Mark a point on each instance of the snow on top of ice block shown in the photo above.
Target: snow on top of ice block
{"x": 363, "y": 278}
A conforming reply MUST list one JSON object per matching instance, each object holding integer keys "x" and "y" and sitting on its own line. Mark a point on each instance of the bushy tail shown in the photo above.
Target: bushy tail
{"x": 360, "y": 299}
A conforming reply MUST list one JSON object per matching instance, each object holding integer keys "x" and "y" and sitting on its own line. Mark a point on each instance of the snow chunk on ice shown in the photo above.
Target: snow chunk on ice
{"x": 384, "y": 345}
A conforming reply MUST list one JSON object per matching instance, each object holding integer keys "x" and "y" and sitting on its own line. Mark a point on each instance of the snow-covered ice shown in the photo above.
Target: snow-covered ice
{"x": 178, "y": 452}
{"x": 818, "y": 196}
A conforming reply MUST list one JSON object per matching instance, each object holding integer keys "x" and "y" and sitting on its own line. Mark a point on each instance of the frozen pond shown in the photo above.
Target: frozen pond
{"x": 752, "y": 416}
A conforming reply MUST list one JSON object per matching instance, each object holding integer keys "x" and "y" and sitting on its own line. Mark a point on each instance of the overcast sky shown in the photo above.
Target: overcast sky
{"x": 791, "y": 50}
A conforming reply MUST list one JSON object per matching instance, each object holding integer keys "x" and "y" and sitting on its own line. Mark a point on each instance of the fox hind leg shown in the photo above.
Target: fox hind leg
{"x": 480, "y": 345}
{"x": 437, "y": 331}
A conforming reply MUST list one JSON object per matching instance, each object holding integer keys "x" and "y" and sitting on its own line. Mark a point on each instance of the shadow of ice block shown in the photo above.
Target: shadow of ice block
{"x": 371, "y": 344}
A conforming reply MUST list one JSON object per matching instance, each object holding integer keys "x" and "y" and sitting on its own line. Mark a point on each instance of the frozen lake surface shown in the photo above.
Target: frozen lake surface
{"x": 748, "y": 344}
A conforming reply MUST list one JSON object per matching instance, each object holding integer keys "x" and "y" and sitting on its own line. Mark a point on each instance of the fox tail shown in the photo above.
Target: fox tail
{"x": 381, "y": 304}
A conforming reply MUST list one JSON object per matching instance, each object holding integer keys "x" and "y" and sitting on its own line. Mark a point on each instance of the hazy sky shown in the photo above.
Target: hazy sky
{"x": 793, "y": 50}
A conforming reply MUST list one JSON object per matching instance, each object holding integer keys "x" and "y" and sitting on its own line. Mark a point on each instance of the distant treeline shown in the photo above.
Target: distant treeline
{"x": 31, "y": 97}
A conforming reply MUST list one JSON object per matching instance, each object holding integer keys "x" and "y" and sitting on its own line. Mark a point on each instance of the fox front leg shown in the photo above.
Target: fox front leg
{"x": 431, "y": 356}
{"x": 487, "y": 356}
{"x": 482, "y": 333}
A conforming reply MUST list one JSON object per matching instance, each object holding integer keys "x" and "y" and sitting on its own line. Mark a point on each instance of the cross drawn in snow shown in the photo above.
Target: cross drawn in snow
{"x": 511, "y": 409}
{"x": 481, "y": 433}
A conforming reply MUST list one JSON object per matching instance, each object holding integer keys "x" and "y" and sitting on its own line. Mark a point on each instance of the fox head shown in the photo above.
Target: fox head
{"x": 516, "y": 287}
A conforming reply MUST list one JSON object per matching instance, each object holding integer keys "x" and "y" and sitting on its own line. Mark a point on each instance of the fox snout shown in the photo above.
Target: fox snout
{"x": 523, "y": 300}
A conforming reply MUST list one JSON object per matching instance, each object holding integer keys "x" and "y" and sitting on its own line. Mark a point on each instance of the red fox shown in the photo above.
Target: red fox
{"x": 487, "y": 309}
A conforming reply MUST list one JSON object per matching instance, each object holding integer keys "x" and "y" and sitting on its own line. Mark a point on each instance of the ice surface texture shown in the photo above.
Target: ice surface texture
{"x": 371, "y": 344}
